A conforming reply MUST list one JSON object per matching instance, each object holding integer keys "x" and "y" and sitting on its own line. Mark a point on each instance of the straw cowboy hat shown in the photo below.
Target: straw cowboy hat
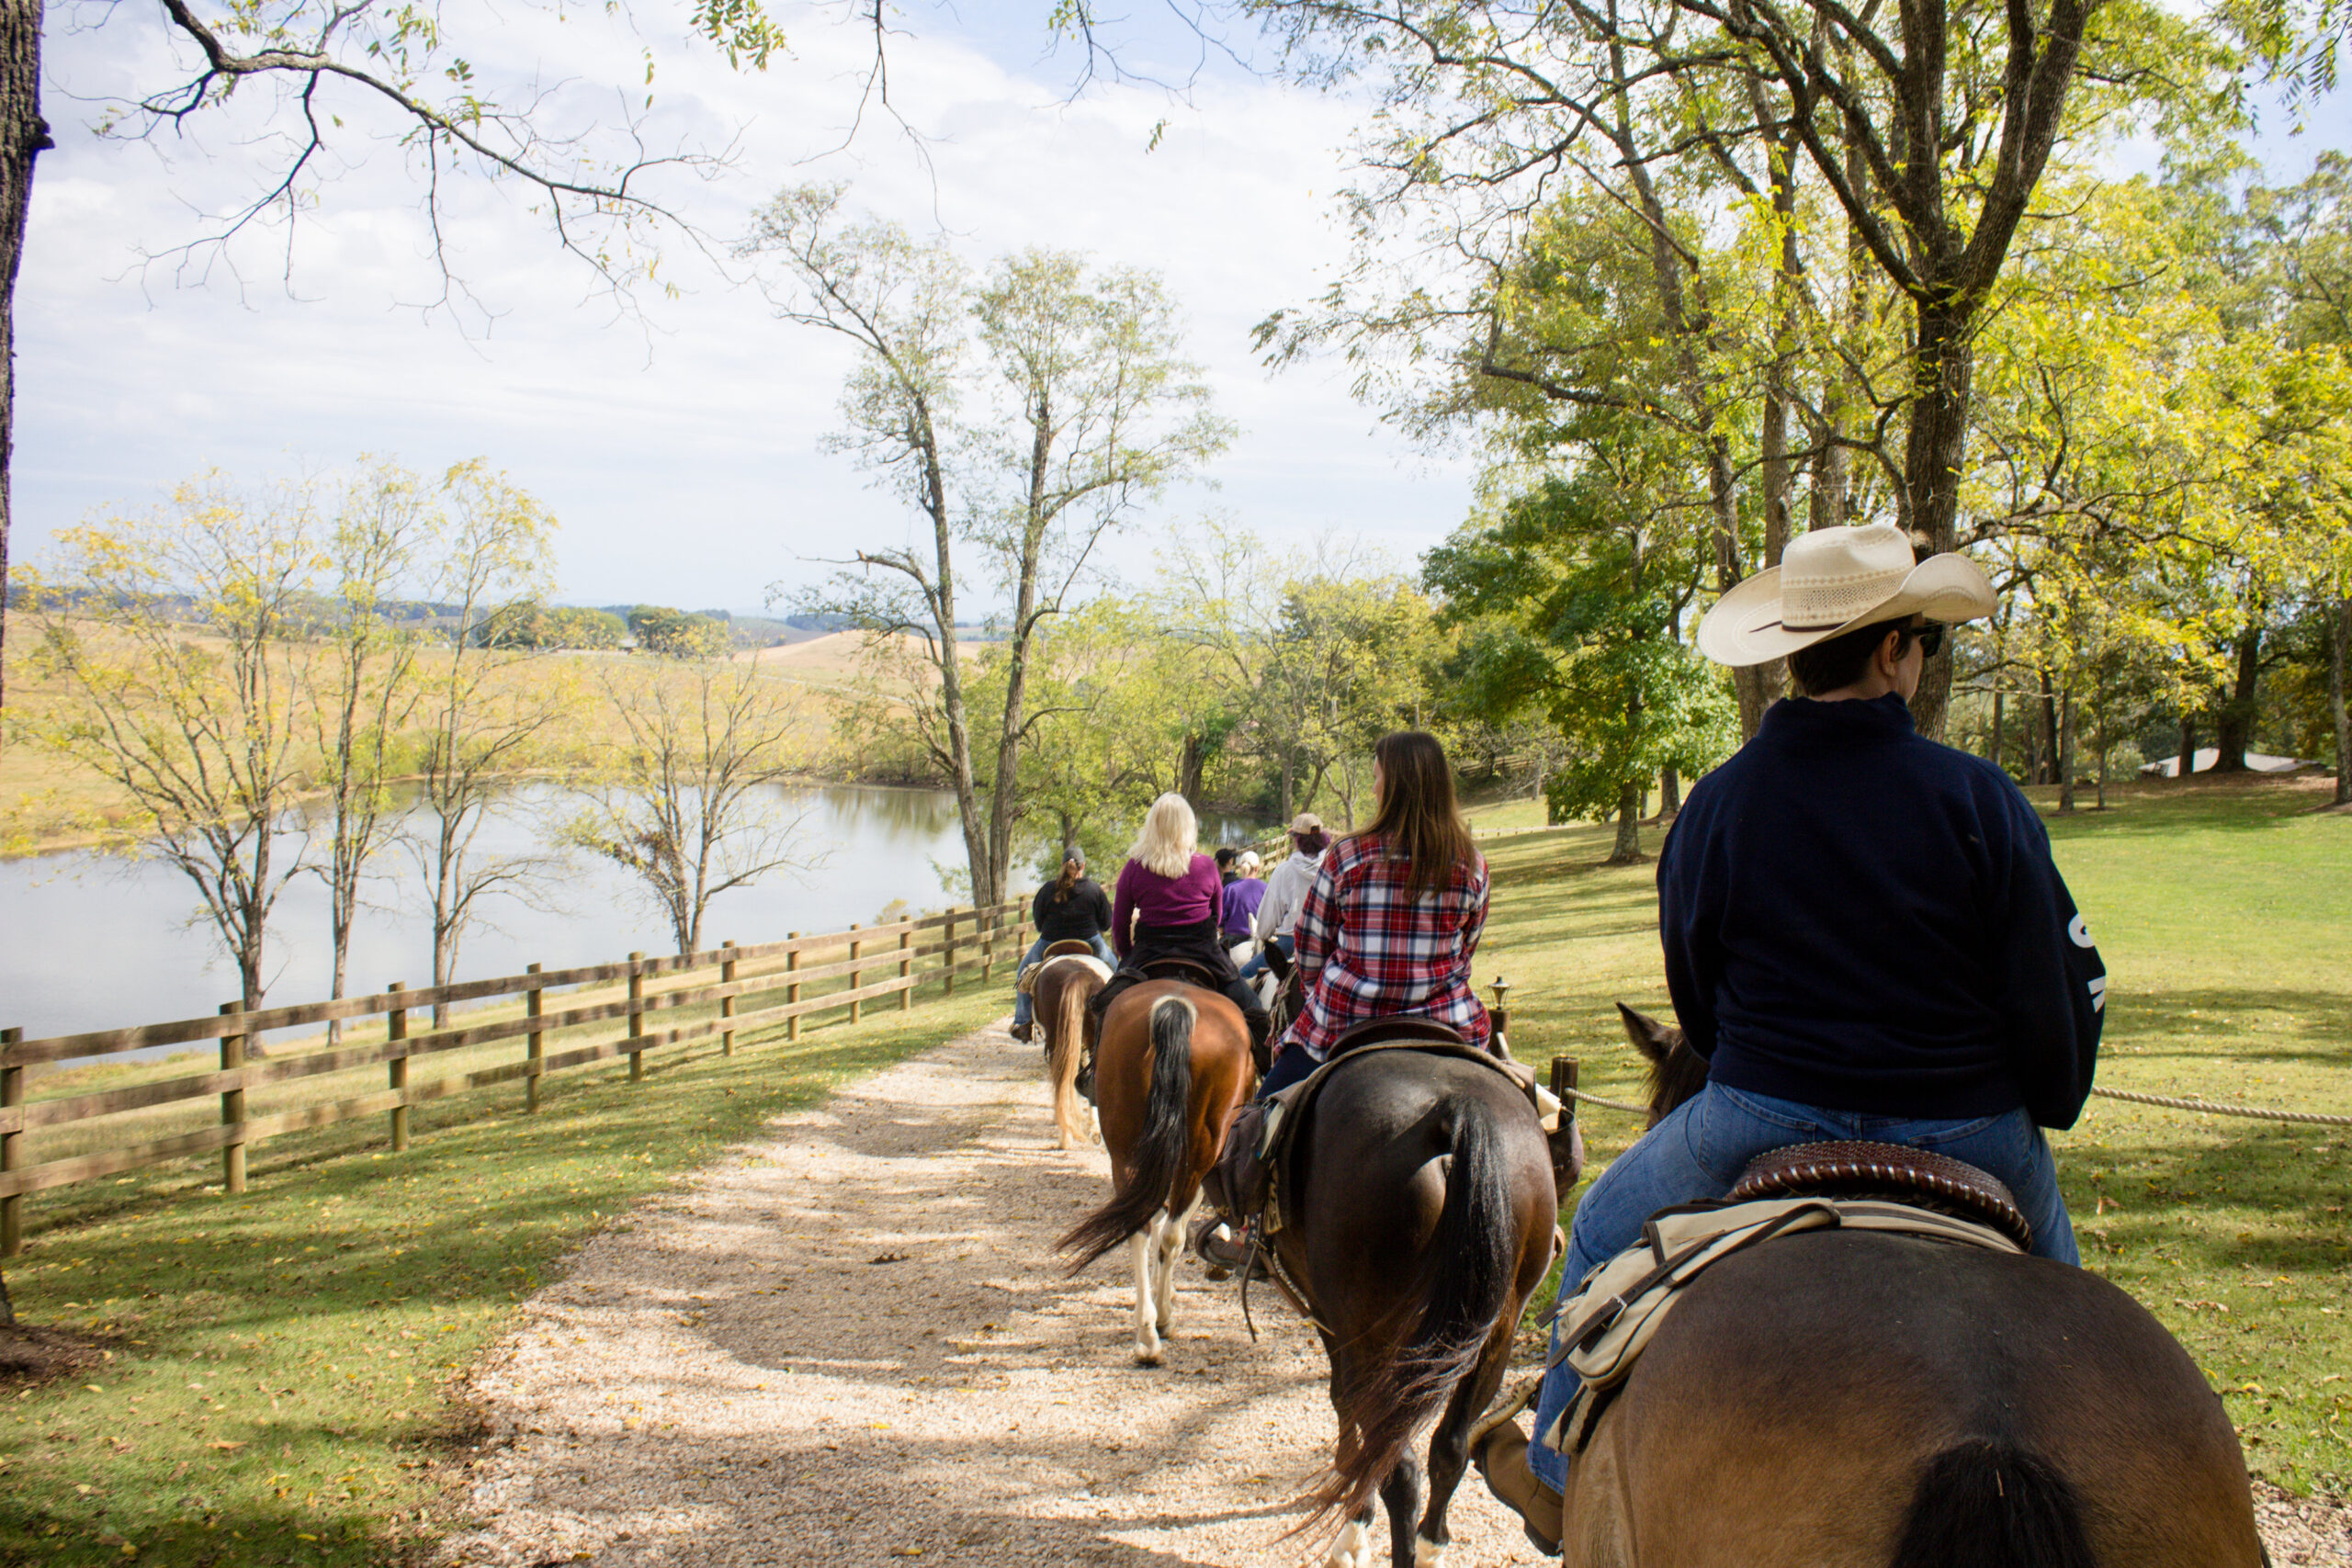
{"x": 1833, "y": 579}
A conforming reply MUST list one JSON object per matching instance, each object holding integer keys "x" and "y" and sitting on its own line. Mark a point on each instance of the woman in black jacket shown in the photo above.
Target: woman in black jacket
{"x": 1073, "y": 908}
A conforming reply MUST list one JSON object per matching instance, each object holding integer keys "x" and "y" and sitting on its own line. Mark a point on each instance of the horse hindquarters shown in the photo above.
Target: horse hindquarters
{"x": 1148, "y": 1171}
{"x": 1844, "y": 1400}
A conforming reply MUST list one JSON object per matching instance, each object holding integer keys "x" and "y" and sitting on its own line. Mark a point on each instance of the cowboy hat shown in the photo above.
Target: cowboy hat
{"x": 1833, "y": 579}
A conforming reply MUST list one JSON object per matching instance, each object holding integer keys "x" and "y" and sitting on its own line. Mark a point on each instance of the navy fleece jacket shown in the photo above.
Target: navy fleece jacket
{"x": 1858, "y": 918}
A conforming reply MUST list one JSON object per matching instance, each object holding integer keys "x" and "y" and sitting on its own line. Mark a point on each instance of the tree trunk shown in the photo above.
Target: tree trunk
{"x": 2340, "y": 635}
{"x": 1290, "y": 783}
{"x": 1993, "y": 749}
{"x": 2048, "y": 730}
{"x": 1628, "y": 848}
{"x": 2032, "y": 750}
{"x": 1934, "y": 447}
{"x": 22, "y": 136}
{"x": 2233, "y": 726}
{"x": 1189, "y": 770}
{"x": 2187, "y": 745}
{"x": 2065, "y": 750}
{"x": 2100, "y": 739}
{"x": 1669, "y": 794}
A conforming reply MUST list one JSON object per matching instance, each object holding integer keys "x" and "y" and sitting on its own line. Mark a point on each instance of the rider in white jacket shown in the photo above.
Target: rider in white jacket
{"x": 1287, "y": 888}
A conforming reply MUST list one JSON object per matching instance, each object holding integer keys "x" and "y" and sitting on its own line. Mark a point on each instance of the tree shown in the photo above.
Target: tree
{"x": 484, "y": 720}
{"x": 673, "y": 634}
{"x": 1572, "y": 600}
{"x": 688, "y": 802}
{"x": 335, "y": 67}
{"x": 1087, "y": 412}
{"x": 362, "y": 687}
{"x": 178, "y": 635}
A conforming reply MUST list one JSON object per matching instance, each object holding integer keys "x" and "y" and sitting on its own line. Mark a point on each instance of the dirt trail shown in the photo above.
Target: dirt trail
{"x": 851, "y": 1343}
{"x": 736, "y": 1379}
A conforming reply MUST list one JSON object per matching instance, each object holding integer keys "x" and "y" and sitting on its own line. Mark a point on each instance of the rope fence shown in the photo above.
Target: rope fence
{"x": 2168, "y": 1102}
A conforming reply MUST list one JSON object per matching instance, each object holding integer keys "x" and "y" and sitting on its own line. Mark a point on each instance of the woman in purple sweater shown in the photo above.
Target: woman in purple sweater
{"x": 1165, "y": 905}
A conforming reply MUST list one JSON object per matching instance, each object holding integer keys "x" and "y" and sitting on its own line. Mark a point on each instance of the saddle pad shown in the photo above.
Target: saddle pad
{"x": 1027, "y": 981}
{"x": 1849, "y": 1168}
{"x": 1620, "y": 1305}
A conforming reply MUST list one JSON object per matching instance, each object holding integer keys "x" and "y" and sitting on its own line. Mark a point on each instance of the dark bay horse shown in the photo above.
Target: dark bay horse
{"x": 1420, "y": 1199}
{"x": 1063, "y": 986}
{"x": 1847, "y": 1399}
{"x": 1171, "y": 1068}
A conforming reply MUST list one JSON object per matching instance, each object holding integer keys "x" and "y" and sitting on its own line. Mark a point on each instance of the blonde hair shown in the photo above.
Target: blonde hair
{"x": 1249, "y": 864}
{"x": 1170, "y": 835}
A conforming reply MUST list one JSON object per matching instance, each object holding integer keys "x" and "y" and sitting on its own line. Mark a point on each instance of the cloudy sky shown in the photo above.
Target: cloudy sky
{"x": 681, "y": 450}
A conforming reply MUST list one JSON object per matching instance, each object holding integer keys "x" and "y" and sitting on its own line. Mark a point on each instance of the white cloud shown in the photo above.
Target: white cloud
{"x": 683, "y": 457}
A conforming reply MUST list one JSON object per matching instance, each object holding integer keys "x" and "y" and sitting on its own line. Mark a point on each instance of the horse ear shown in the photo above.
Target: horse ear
{"x": 1654, "y": 1040}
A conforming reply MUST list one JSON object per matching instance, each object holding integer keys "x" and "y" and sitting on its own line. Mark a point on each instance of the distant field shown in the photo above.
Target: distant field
{"x": 2221, "y": 909}
{"x": 49, "y": 803}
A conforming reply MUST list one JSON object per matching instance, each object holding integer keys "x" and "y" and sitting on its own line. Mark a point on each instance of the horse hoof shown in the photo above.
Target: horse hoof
{"x": 1428, "y": 1553}
{"x": 1352, "y": 1550}
{"x": 1146, "y": 1357}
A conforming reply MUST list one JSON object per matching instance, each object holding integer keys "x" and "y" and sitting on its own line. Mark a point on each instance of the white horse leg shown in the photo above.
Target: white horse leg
{"x": 1143, "y": 1246}
{"x": 1353, "y": 1549}
{"x": 1171, "y": 1247}
{"x": 1427, "y": 1554}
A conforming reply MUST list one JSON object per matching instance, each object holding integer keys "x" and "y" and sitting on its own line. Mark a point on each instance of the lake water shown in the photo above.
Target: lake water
{"x": 103, "y": 942}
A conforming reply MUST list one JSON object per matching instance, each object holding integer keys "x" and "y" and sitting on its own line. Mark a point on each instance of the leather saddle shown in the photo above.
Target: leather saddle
{"x": 1889, "y": 1172}
{"x": 1068, "y": 947}
{"x": 1376, "y": 1031}
{"x": 1190, "y": 971}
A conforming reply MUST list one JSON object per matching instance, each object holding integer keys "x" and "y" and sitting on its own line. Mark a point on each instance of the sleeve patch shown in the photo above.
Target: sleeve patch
{"x": 2098, "y": 994}
{"x": 2078, "y": 930}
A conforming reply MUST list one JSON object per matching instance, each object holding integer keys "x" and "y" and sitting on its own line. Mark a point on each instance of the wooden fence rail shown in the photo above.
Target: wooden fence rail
{"x": 918, "y": 951}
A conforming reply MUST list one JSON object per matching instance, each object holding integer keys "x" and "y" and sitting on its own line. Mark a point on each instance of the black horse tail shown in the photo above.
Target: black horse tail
{"x": 1441, "y": 1326}
{"x": 1159, "y": 1156}
{"x": 1991, "y": 1505}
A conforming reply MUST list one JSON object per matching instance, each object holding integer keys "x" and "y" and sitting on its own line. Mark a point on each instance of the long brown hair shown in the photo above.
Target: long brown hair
{"x": 1417, "y": 813}
{"x": 1072, "y": 869}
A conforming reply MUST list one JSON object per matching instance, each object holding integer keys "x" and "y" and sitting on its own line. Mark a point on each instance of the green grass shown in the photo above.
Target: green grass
{"x": 280, "y": 1365}
{"x": 2222, "y": 910}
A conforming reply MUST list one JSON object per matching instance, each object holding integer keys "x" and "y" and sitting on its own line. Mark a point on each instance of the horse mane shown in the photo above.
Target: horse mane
{"x": 1677, "y": 1072}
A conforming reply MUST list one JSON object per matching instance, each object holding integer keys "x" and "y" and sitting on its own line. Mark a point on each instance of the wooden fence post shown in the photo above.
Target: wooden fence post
{"x": 232, "y": 1106}
{"x": 12, "y": 1095}
{"x": 906, "y": 971}
{"x": 727, "y": 1004}
{"x": 396, "y": 1070}
{"x": 947, "y": 958}
{"x": 988, "y": 944}
{"x": 853, "y": 975}
{"x": 792, "y": 991}
{"x": 533, "y": 1005}
{"x": 635, "y": 1015}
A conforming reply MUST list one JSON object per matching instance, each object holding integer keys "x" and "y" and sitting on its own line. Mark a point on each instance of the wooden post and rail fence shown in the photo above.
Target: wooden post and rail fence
{"x": 921, "y": 950}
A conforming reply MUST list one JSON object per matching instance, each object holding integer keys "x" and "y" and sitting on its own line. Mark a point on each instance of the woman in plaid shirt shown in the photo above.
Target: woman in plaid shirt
{"x": 1394, "y": 918}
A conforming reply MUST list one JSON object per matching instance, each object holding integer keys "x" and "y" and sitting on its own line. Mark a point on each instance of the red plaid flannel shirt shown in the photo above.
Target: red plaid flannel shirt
{"x": 1364, "y": 951}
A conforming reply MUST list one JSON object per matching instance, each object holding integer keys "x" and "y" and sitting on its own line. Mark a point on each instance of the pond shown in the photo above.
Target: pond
{"x": 91, "y": 942}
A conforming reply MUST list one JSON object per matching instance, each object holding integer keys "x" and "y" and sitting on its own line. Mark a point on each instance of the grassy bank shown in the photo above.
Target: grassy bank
{"x": 2220, "y": 910}
{"x": 276, "y": 1386}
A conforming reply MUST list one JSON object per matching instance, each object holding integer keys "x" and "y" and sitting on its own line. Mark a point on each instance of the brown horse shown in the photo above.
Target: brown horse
{"x": 1171, "y": 1068}
{"x": 1420, "y": 1196}
{"x": 1060, "y": 991}
{"x": 1851, "y": 1399}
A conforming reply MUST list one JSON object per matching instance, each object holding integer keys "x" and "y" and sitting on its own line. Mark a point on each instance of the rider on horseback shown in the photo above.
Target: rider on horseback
{"x": 1388, "y": 930}
{"x": 1070, "y": 909}
{"x": 1864, "y": 933}
{"x": 1166, "y": 905}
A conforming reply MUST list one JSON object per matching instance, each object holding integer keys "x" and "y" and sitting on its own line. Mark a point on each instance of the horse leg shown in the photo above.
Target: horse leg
{"x": 1144, "y": 1247}
{"x": 1450, "y": 1440}
{"x": 1353, "y": 1549}
{"x": 1171, "y": 1247}
{"x": 1401, "y": 1494}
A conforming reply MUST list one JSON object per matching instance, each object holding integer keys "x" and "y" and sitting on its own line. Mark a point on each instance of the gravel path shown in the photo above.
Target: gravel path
{"x": 851, "y": 1343}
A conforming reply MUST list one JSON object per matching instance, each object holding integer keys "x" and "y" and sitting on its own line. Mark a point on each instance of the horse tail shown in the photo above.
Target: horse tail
{"x": 1161, "y": 1156}
{"x": 1991, "y": 1505}
{"x": 1441, "y": 1325}
{"x": 1061, "y": 1066}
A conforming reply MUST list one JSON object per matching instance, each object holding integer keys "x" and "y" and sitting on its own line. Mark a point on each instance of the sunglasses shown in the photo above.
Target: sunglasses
{"x": 1930, "y": 638}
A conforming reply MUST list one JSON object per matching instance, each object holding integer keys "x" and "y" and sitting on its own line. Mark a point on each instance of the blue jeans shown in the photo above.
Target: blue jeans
{"x": 1698, "y": 1152}
{"x": 1023, "y": 1009}
{"x": 1257, "y": 966}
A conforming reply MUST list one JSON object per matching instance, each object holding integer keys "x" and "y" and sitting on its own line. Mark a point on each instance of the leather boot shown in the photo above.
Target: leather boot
{"x": 1502, "y": 1464}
